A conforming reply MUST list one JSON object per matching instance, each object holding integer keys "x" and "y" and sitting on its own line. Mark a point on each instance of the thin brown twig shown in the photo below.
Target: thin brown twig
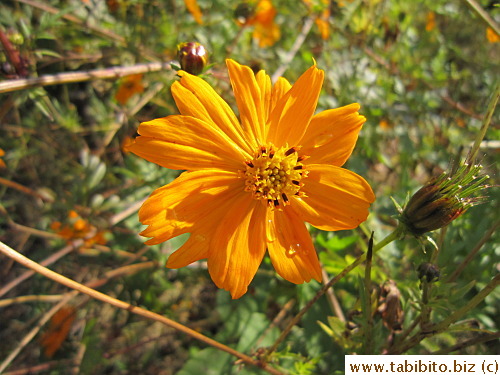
{"x": 121, "y": 253}
{"x": 276, "y": 321}
{"x": 31, "y": 298}
{"x": 473, "y": 341}
{"x": 32, "y": 231}
{"x": 39, "y": 368}
{"x": 77, "y": 360}
{"x": 46, "y": 262}
{"x": 24, "y": 189}
{"x": 332, "y": 298}
{"x": 81, "y": 76}
{"x": 133, "y": 309}
{"x": 483, "y": 15}
{"x": 134, "y": 207}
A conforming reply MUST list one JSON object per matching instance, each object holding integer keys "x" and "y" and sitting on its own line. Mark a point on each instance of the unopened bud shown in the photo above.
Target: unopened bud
{"x": 442, "y": 200}
{"x": 192, "y": 57}
{"x": 428, "y": 271}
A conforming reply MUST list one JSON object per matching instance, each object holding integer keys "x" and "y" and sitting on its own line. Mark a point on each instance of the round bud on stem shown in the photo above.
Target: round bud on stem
{"x": 192, "y": 56}
{"x": 442, "y": 200}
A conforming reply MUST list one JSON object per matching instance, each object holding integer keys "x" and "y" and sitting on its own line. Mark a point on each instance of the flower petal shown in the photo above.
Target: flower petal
{"x": 249, "y": 101}
{"x": 187, "y": 201}
{"x": 195, "y": 97}
{"x": 332, "y": 135}
{"x": 238, "y": 246}
{"x": 280, "y": 88}
{"x": 198, "y": 246}
{"x": 293, "y": 112}
{"x": 336, "y": 199}
{"x": 292, "y": 251}
{"x": 184, "y": 142}
{"x": 264, "y": 82}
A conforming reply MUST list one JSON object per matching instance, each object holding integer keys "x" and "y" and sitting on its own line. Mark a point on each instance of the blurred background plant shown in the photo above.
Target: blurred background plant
{"x": 424, "y": 74}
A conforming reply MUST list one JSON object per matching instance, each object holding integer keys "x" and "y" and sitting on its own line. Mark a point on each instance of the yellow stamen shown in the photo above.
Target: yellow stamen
{"x": 274, "y": 174}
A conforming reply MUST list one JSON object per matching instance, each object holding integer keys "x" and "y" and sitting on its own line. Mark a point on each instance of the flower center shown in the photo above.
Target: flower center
{"x": 274, "y": 175}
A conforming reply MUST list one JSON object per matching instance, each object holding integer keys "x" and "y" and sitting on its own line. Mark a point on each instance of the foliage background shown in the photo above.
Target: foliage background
{"x": 424, "y": 88}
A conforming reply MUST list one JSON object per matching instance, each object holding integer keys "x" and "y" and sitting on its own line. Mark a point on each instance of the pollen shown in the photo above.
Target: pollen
{"x": 275, "y": 174}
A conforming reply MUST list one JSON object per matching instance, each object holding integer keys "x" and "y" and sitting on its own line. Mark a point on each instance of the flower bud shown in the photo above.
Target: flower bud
{"x": 428, "y": 271}
{"x": 192, "y": 57}
{"x": 442, "y": 200}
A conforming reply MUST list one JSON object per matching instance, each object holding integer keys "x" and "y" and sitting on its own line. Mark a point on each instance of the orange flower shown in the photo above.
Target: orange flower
{"x": 323, "y": 25}
{"x": 266, "y": 32}
{"x": 60, "y": 325}
{"x": 321, "y": 19}
{"x": 2, "y": 163}
{"x": 431, "y": 21}
{"x": 491, "y": 35}
{"x": 113, "y": 5}
{"x": 384, "y": 124}
{"x": 194, "y": 9}
{"x": 78, "y": 228}
{"x": 130, "y": 85}
{"x": 249, "y": 187}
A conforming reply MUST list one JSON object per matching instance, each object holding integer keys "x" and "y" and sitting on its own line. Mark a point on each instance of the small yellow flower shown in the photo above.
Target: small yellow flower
{"x": 491, "y": 35}
{"x": 250, "y": 185}
{"x": 431, "y": 21}
{"x": 130, "y": 86}
{"x": 194, "y": 9}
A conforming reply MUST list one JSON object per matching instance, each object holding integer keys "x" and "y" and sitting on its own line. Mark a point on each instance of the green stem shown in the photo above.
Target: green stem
{"x": 478, "y": 298}
{"x": 474, "y": 252}
{"x": 484, "y": 127}
{"x": 368, "y": 289}
{"x": 426, "y": 310}
{"x": 394, "y": 235}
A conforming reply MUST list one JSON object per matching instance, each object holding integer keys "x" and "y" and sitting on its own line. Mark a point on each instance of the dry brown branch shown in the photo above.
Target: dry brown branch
{"x": 81, "y": 76}
{"x": 11, "y": 253}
